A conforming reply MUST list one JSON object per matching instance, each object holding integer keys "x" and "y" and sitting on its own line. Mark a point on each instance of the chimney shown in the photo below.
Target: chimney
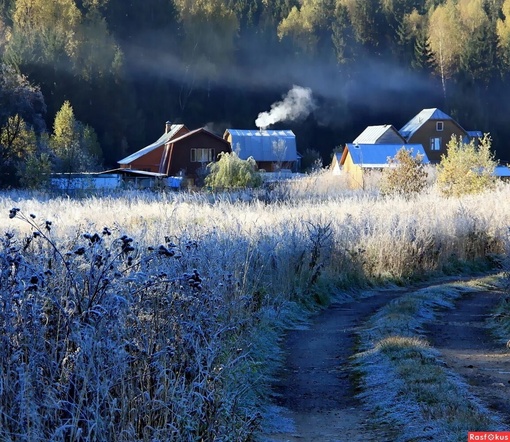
{"x": 168, "y": 126}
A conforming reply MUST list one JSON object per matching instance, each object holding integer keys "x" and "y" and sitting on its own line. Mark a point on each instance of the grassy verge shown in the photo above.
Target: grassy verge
{"x": 403, "y": 379}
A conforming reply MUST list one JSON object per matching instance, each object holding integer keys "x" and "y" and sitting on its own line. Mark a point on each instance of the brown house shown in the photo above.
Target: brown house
{"x": 433, "y": 129}
{"x": 192, "y": 151}
{"x": 149, "y": 159}
{"x": 178, "y": 151}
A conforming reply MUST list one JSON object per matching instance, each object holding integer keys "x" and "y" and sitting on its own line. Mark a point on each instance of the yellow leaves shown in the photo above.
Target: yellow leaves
{"x": 503, "y": 29}
{"x": 459, "y": 35}
{"x": 467, "y": 167}
{"x": 444, "y": 33}
{"x": 303, "y": 23}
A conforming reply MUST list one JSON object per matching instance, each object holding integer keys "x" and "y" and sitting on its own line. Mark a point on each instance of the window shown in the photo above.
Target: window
{"x": 202, "y": 155}
{"x": 439, "y": 126}
{"x": 435, "y": 144}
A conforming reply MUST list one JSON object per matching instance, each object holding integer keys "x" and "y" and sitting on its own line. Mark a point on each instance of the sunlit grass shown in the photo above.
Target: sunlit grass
{"x": 191, "y": 339}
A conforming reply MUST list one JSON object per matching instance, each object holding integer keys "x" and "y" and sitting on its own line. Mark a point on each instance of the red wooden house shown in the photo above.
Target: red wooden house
{"x": 178, "y": 152}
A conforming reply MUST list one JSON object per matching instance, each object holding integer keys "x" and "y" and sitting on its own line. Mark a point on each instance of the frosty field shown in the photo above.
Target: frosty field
{"x": 152, "y": 316}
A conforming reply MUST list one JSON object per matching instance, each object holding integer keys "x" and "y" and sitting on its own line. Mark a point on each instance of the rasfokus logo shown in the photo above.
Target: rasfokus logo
{"x": 488, "y": 436}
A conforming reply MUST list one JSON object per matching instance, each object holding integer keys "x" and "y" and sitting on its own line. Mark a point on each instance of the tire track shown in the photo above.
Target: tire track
{"x": 467, "y": 348}
{"x": 315, "y": 394}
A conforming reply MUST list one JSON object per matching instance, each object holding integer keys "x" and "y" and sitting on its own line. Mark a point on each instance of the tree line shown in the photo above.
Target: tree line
{"x": 113, "y": 70}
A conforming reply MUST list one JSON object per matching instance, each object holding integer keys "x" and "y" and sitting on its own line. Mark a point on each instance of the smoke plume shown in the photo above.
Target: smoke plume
{"x": 298, "y": 103}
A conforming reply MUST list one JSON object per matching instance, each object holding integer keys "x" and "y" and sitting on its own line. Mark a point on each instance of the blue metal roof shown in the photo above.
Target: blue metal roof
{"x": 419, "y": 120}
{"x": 475, "y": 134}
{"x": 376, "y": 155}
{"x": 262, "y": 144}
{"x": 502, "y": 171}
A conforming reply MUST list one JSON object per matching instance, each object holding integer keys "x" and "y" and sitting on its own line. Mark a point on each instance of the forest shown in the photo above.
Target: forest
{"x": 85, "y": 82}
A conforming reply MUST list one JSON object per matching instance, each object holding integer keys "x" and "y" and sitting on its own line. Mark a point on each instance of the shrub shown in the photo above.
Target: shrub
{"x": 466, "y": 168}
{"x": 231, "y": 172}
{"x": 406, "y": 174}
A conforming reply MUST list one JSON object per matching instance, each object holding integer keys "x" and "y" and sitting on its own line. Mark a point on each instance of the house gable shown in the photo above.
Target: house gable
{"x": 385, "y": 134}
{"x": 192, "y": 151}
{"x": 150, "y": 157}
{"x": 433, "y": 129}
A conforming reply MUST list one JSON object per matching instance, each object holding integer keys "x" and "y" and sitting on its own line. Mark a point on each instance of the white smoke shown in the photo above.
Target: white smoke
{"x": 298, "y": 103}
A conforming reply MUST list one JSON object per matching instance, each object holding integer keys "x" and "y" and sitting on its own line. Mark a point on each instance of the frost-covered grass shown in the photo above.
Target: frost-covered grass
{"x": 403, "y": 379}
{"x": 145, "y": 316}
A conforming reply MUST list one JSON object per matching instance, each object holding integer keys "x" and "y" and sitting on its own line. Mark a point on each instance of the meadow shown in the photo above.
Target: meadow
{"x": 146, "y": 316}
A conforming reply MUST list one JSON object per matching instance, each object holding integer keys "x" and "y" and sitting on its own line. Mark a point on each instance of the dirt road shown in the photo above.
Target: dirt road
{"x": 466, "y": 346}
{"x": 315, "y": 390}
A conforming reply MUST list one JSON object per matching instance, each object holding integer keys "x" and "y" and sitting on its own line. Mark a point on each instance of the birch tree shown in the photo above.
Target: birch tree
{"x": 445, "y": 40}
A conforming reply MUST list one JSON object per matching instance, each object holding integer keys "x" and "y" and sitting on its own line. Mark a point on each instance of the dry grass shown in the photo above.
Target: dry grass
{"x": 166, "y": 327}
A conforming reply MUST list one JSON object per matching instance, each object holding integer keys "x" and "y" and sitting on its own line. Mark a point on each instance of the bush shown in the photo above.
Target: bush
{"x": 231, "y": 172}
{"x": 466, "y": 168}
{"x": 406, "y": 174}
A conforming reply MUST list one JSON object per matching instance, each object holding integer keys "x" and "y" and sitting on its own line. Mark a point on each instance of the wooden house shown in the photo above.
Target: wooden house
{"x": 433, "y": 129}
{"x": 150, "y": 158}
{"x": 192, "y": 151}
{"x": 178, "y": 152}
{"x": 358, "y": 159}
{"x": 273, "y": 150}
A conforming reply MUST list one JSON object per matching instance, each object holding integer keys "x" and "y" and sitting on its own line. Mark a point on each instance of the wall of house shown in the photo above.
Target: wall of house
{"x": 353, "y": 172}
{"x": 180, "y": 154}
{"x": 150, "y": 162}
{"x": 429, "y": 130}
{"x": 390, "y": 137}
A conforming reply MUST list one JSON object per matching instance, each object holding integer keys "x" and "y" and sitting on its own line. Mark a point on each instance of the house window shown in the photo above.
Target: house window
{"x": 202, "y": 155}
{"x": 439, "y": 126}
{"x": 435, "y": 144}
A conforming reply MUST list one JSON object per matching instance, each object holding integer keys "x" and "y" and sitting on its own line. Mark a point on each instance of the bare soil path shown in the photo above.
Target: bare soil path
{"x": 466, "y": 346}
{"x": 315, "y": 390}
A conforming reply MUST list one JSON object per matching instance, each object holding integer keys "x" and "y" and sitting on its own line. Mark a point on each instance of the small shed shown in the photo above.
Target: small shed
{"x": 272, "y": 150}
{"x": 357, "y": 159}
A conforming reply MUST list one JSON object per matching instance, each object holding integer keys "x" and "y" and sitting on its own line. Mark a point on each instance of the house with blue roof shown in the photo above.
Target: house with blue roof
{"x": 358, "y": 159}
{"x": 434, "y": 129}
{"x": 273, "y": 150}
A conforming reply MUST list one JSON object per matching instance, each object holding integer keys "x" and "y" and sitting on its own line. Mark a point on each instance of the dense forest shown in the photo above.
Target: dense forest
{"x": 104, "y": 75}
